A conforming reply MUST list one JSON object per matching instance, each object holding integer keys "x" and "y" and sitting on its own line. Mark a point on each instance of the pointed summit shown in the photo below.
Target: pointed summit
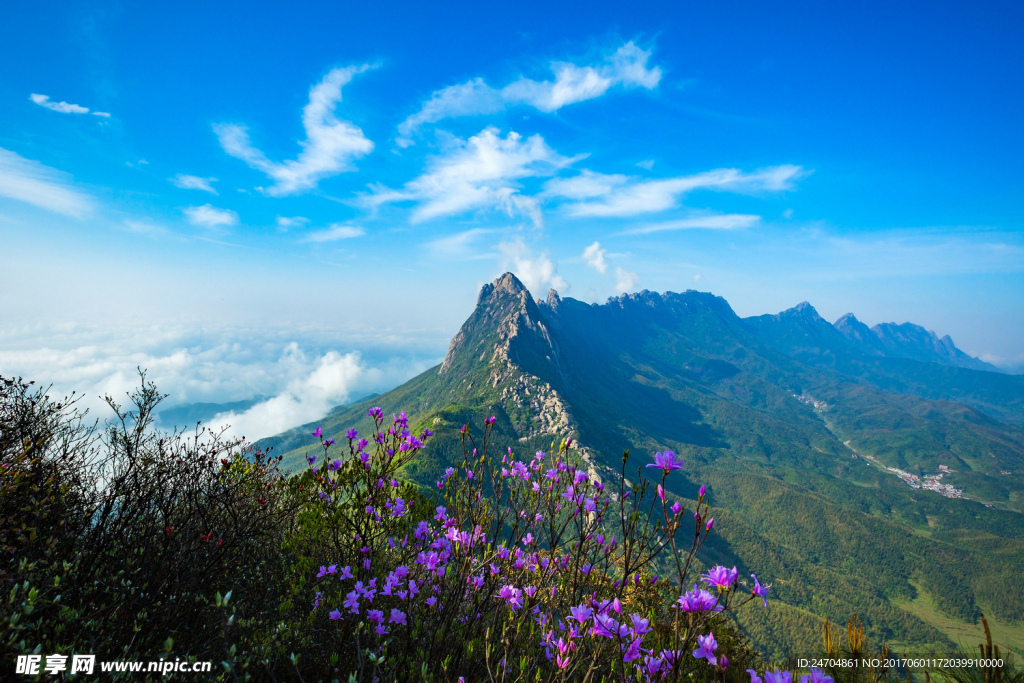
{"x": 505, "y": 323}
{"x": 507, "y": 284}
{"x": 803, "y": 309}
{"x": 859, "y": 334}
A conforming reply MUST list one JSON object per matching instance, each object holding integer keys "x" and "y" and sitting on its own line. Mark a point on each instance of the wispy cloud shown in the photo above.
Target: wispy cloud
{"x": 538, "y": 273}
{"x": 208, "y": 216}
{"x": 329, "y": 148}
{"x": 626, "y": 67}
{"x": 33, "y": 183}
{"x": 725, "y": 221}
{"x": 625, "y": 280}
{"x": 191, "y": 182}
{"x": 142, "y": 228}
{"x": 593, "y": 256}
{"x": 462, "y": 245}
{"x": 284, "y": 222}
{"x": 598, "y": 194}
{"x": 478, "y": 173}
{"x": 335, "y": 232}
{"x": 64, "y": 107}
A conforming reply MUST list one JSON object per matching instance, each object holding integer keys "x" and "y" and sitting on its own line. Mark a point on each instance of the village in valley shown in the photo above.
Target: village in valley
{"x": 927, "y": 482}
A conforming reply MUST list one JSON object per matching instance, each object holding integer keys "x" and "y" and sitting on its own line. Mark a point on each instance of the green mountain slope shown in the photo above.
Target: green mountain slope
{"x": 795, "y": 456}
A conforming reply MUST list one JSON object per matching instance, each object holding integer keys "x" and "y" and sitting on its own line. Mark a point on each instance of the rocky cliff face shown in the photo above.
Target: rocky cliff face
{"x": 512, "y": 338}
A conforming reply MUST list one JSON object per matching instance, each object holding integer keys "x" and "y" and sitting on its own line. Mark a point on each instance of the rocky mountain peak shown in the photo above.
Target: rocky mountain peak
{"x": 505, "y": 320}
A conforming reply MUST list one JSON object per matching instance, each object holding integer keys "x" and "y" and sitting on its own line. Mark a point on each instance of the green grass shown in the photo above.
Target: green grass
{"x": 1004, "y": 634}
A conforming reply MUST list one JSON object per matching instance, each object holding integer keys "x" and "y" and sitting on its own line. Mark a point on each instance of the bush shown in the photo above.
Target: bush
{"x": 521, "y": 569}
{"x": 117, "y": 542}
{"x": 132, "y": 544}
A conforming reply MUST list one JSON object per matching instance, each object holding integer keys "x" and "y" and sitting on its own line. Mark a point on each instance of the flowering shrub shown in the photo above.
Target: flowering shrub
{"x": 118, "y": 543}
{"x": 525, "y": 568}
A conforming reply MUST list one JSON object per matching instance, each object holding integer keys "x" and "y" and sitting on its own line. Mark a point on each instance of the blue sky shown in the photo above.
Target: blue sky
{"x": 300, "y": 202}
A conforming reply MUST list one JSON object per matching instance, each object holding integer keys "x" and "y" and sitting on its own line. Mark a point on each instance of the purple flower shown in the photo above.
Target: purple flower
{"x": 375, "y": 412}
{"x": 431, "y": 601}
{"x": 698, "y": 600}
{"x": 653, "y": 664}
{"x": 666, "y": 462}
{"x": 323, "y": 572}
{"x": 397, "y": 617}
{"x": 720, "y": 576}
{"x": 604, "y": 625}
{"x": 328, "y": 442}
{"x": 817, "y": 676}
{"x": 375, "y": 615}
{"x": 707, "y": 649}
{"x": 641, "y": 626}
{"x": 778, "y": 677}
{"x": 711, "y": 523}
{"x": 351, "y": 433}
{"x": 676, "y": 508}
{"x": 632, "y": 652}
{"x": 754, "y": 678}
{"x": 761, "y": 590}
{"x": 318, "y": 433}
{"x": 661, "y": 492}
{"x": 490, "y": 420}
{"x": 334, "y": 615}
{"x": 700, "y": 493}
{"x": 581, "y": 613}
{"x": 723, "y": 663}
{"x": 346, "y": 573}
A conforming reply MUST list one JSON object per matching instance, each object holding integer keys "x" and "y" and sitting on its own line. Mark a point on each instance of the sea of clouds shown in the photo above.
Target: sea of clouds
{"x": 304, "y": 372}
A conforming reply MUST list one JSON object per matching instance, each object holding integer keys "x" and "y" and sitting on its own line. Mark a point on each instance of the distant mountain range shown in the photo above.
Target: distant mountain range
{"x": 870, "y": 470}
{"x": 802, "y": 333}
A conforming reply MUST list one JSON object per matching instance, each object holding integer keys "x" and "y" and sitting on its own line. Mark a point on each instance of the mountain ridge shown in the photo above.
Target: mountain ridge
{"x": 802, "y": 459}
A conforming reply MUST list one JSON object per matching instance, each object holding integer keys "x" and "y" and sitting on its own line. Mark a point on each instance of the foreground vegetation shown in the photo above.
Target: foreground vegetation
{"x": 135, "y": 545}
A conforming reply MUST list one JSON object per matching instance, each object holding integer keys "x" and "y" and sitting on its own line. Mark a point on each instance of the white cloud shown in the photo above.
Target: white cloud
{"x": 208, "y": 216}
{"x": 303, "y": 374}
{"x": 597, "y": 194}
{"x": 142, "y": 228}
{"x": 647, "y": 164}
{"x": 303, "y": 400}
{"x": 625, "y": 280}
{"x": 329, "y": 147}
{"x": 64, "y": 107}
{"x": 191, "y": 182}
{"x": 626, "y": 67}
{"x": 479, "y": 173}
{"x": 697, "y": 277}
{"x": 538, "y": 273}
{"x": 332, "y": 233}
{"x": 30, "y": 181}
{"x": 593, "y": 256}
{"x": 726, "y": 221}
{"x": 461, "y": 245}
{"x": 283, "y": 222}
